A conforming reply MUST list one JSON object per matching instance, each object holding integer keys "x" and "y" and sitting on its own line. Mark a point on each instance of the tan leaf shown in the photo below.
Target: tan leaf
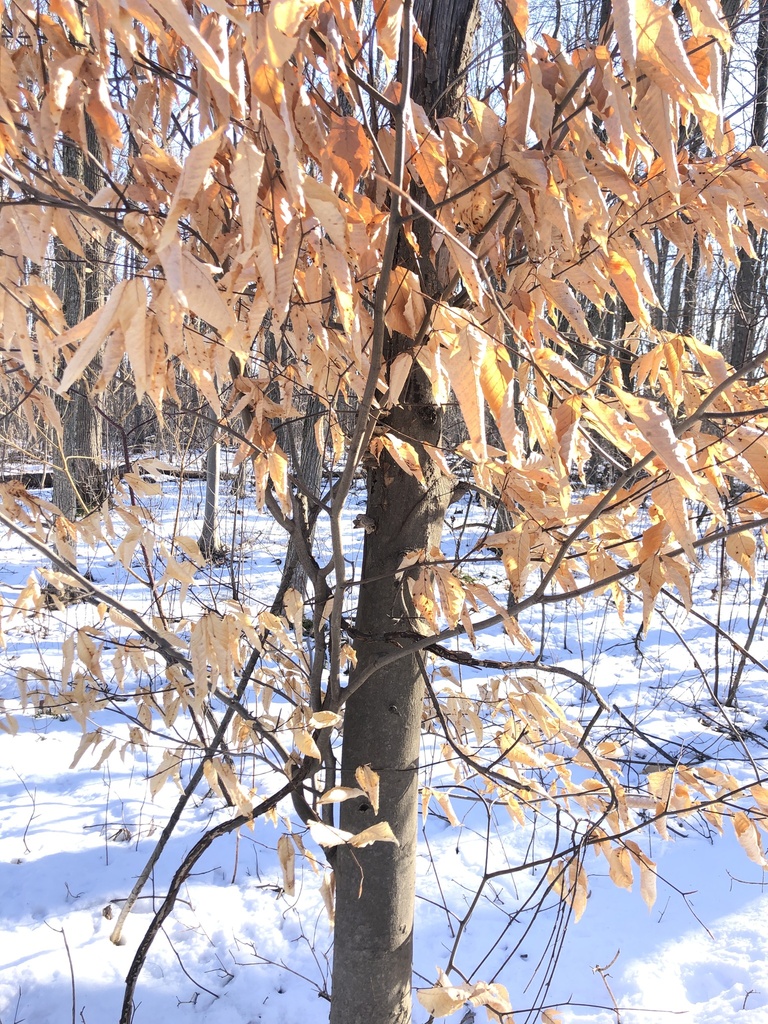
{"x": 230, "y": 782}
{"x": 422, "y": 591}
{"x": 651, "y": 578}
{"x": 665, "y": 60}
{"x": 338, "y": 794}
{"x": 328, "y": 209}
{"x": 399, "y": 371}
{"x": 378, "y": 833}
{"x": 678, "y": 572}
{"x": 89, "y": 739}
{"x": 197, "y": 165}
{"x": 69, "y": 14}
{"x": 91, "y": 334}
{"x": 328, "y": 893}
{"x": 284, "y": 20}
{"x": 463, "y": 360}
{"x": 515, "y": 545}
{"x": 168, "y": 768}
{"x": 551, "y": 1017}
{"x": 325, "y": 720}
{"x": 620, "y": 870}
{"x": 624, "y": 277}
{"x": 389, "y": 22}
{"x": 246, "y": 177}
{"x": 671, "y": 500}
{"x": 494, "y": 996}
{"x": 405, "y": 305}
{"x": 518, "y": 11}
{"x": 174, "y": 13}
{"x": 563, "y": 298}
{"x": 706, "y": 18}
{"x": 647, "y": 873}
{"x": 404, "y": 454}
{"x": 306, "y": 744}
{"x": 625, "y": 27}
{"x": 201, "y": 296}
{"x": 443, "y": 999}
{"x": 135, "y": 324}
{"x": 749, "y": 837}
{"x": 349, "y": 150}
{"x": 466, "y": 264}
{"x": 429, "y": 162}
{"x": 191, "y": 549}
{"x": 452, "y": 594}
{"x": 579, "y": 889}
{"x": 554, "y": 365}
{"x": 326, "y": 835}
{"x": 66, "y": 539}
{"x": 368, "y": 780}
{"x": 287, "y": 855}
{"x": 655, "y": 426}
{"x": 444, "y": 800}
{"x": 742, "y": 548}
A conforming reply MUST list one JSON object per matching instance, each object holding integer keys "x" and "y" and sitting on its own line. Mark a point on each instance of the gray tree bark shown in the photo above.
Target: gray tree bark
{"x": 79, "y": 482}
{"x": 375, "y": 886}
{"x": 307, "y": 465}
{"x": 210, "y": 537}
{"x": 682, "y": 295}
{"x": 748, "y": 287}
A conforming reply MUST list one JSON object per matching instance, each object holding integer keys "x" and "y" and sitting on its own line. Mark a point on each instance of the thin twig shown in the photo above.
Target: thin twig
{"x": 181, "y": 803}
{"x": 182, "y": 873}
{"x": 63, "y": 934}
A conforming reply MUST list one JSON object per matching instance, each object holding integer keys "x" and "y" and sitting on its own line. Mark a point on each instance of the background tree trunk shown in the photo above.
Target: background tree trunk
{"x": 308, "y": 468}
{"x": 210, "y": 538}
{"x": 375, "y": 886}
{"x": 79, "y": 481}
{"x": 748, "y": 288}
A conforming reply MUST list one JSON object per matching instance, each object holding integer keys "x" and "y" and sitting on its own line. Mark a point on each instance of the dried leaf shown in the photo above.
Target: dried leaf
{"x": 620, "y": 870}
{"x": 287, "y": 856}
{"x": 742, "y": 548}
{"x": 518, "y": 10}
{"x": 328, "y": 893}
{"x": 749, "y": 837}
{"x": 443, "y": 999}
{"x": 368, "y": 780}
{"x": 338, "y": 794}
{"x": 656, "y": 428}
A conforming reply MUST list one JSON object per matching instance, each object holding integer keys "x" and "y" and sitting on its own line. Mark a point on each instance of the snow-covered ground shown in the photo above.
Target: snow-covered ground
{"x": 238, "y": 950}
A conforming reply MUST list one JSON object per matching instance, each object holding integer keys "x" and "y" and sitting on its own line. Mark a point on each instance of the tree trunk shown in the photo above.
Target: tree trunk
{"x": 210, "y": 539}
{"x": 375, "y": 886}
{"x": 748, "y": 290}
{"x": 308, "y": 468}
{"x": 682, "y": 295}
{"x": 79, "y": 483}
{"x": 382, "y": 727}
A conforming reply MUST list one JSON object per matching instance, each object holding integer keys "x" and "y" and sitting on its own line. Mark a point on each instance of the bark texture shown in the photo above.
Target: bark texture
{"x": 749, "y": 286}
{"x": 382, "y": 727}
{"x": 79, "y": 482}
{"x": 210, "y": 536}
{"x": 375, "y": 886}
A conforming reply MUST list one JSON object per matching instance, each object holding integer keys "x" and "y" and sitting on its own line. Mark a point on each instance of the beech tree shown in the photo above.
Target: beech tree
{"x": 355, "y": 234}
{"x": 79, "y": 483}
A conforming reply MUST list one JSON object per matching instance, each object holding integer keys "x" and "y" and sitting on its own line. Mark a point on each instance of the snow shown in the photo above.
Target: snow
{"x": 237, "y": 949}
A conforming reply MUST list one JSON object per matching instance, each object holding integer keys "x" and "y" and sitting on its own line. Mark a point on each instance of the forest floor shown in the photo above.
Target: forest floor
{"x": 238, "y": 950}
